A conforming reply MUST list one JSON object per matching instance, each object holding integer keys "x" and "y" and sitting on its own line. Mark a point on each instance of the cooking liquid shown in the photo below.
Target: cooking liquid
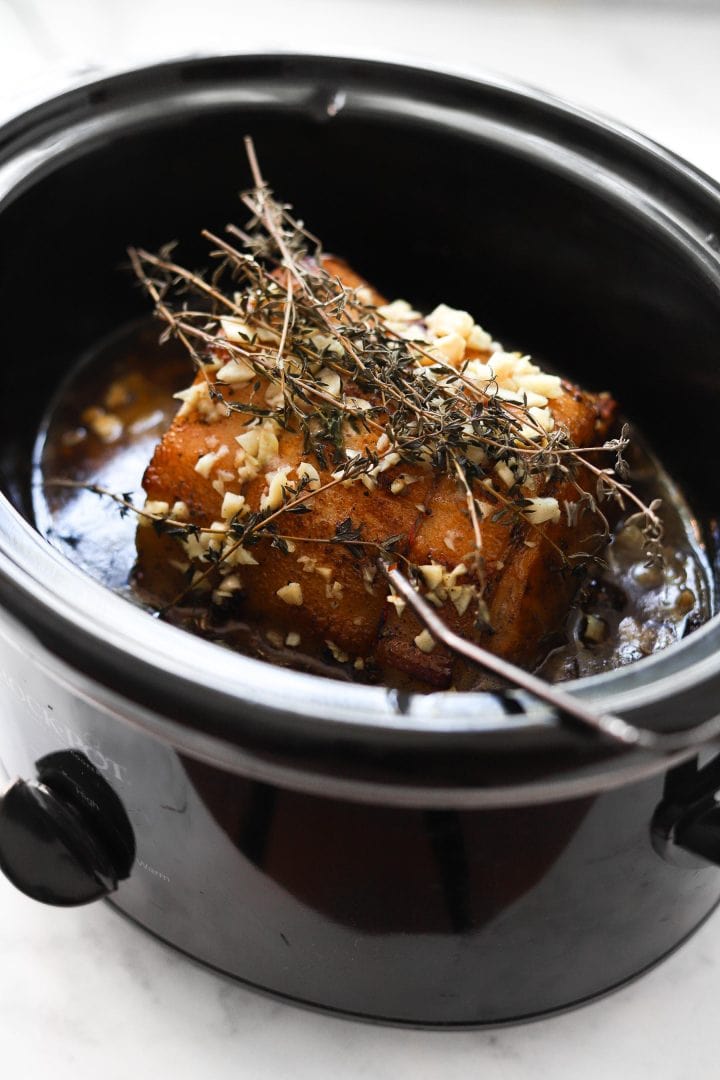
{"x": 109, "y": 414}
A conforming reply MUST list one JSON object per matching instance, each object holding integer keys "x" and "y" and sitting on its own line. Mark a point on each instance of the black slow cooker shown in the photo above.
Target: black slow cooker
{"x": 442, "y": 859}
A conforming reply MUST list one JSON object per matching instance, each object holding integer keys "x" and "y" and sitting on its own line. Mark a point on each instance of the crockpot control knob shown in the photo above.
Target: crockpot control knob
{"x": 47, "y": 849}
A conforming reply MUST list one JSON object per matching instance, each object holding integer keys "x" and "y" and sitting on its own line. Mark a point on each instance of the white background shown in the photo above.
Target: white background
{"x": 84, "y": 994}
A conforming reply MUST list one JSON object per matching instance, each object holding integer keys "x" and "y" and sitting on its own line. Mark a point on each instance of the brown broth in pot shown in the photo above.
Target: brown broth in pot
{"x": 102, "y": 427}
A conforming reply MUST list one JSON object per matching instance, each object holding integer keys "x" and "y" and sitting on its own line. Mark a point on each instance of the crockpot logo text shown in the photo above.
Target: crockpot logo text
{"x": 73, "y": 740}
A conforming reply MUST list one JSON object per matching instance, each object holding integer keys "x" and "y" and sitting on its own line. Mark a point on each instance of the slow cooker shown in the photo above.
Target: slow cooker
{"x": 441, "y": 859}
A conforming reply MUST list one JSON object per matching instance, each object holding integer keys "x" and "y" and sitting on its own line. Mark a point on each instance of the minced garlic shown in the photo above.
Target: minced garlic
{"x": 196, "y": 398}
{"x": 542, "y": 509}
{"x": 505, "y": 473}
{"x": 548, "y": 386}
{"x": 180, "y": 511}
{"x": 232, "y": 506}
{"x": 274, "y": 396}
{"x": 432, "y": 574}
{"x": 307, "y": 469}
{"x": 447, "y": 320}
{"x": 479, "y": 339}
{"x": 106, "y": 426}
{"x": 425, "y": 641}
{"x": 338, "y": 654}
{"x": 398, "y": 311}
{"x": 156, "y": 509}
{"x": 228, "y": 587}
{"x": 397, "y": 602}
{"x": 236, "y": 331}
{"x": 259, "y": 445}
{"x": 239, "y": 556}
{"x": 450, "y": 347}
{"x": 291, "y": 594}
{"x": 330, "y": 380}
{"x": 207, "y": 462}
{"x": 235, "y": 373}
{"x": 364, "y": 295}
{"x": 118, "y": 394}
{"x": 277, "y": 481}
{"x": 325, "y": 343}
{"x": 461, "y": 596}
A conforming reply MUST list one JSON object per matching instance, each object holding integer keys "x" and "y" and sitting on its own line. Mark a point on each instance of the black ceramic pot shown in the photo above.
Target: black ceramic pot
{"x": 442, "y": 859}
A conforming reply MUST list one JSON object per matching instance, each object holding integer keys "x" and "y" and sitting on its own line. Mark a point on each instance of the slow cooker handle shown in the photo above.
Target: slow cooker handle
{"x": 686, "y": 825}
{"x": 51, "y": 849}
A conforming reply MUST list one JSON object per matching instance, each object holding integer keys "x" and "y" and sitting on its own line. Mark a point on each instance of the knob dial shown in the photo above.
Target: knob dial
{"x": 61, "y": 842}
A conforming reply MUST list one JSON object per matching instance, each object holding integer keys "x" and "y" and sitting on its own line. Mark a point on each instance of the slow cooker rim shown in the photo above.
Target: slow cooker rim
{"x": 376, "y": 707}
{"x": 56, "y": 91}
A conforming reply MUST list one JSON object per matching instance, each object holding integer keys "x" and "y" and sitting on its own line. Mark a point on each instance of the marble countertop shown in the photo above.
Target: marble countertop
{"x": 83, "y": 993}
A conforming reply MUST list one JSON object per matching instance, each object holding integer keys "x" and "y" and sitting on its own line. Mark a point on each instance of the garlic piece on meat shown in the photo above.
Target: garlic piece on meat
{"x": 156, "y": 508}
{"x": 425, "y": 641}
{"x": 548, "y": 386}
{"x": 232, "y": 505}
{"x": 433, "y": 574}
{"x": 399, "y": 311}
{"x": 235, "y": 372}
{"x": 236, "y": 330}
{"x": 479, "y": 339}
{"x": 331, "y": 381}
{"x": 291, "y": 594}
{"x": 207, "y": 462}
{"x": 447, "y": 320}
{"x": 450, "y": 347}
{"x": 277, "y": 482}
{"x": 542, "y": 510}
{"x": 307, "y": 469}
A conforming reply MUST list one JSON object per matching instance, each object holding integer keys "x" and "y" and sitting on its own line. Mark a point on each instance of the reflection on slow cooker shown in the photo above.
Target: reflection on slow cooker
{"x": 361, "y": 867}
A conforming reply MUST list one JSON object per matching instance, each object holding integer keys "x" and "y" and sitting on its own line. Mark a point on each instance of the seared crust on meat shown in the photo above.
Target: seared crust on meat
{"x": 527, "y": 588}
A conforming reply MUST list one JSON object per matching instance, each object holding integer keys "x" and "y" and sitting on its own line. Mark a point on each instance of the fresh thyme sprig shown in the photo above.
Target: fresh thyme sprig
{"x": 304, "y": 322}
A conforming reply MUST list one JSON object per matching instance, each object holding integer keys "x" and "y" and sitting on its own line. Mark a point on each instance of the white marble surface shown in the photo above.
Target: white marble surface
{"x": 83, "y": 993}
